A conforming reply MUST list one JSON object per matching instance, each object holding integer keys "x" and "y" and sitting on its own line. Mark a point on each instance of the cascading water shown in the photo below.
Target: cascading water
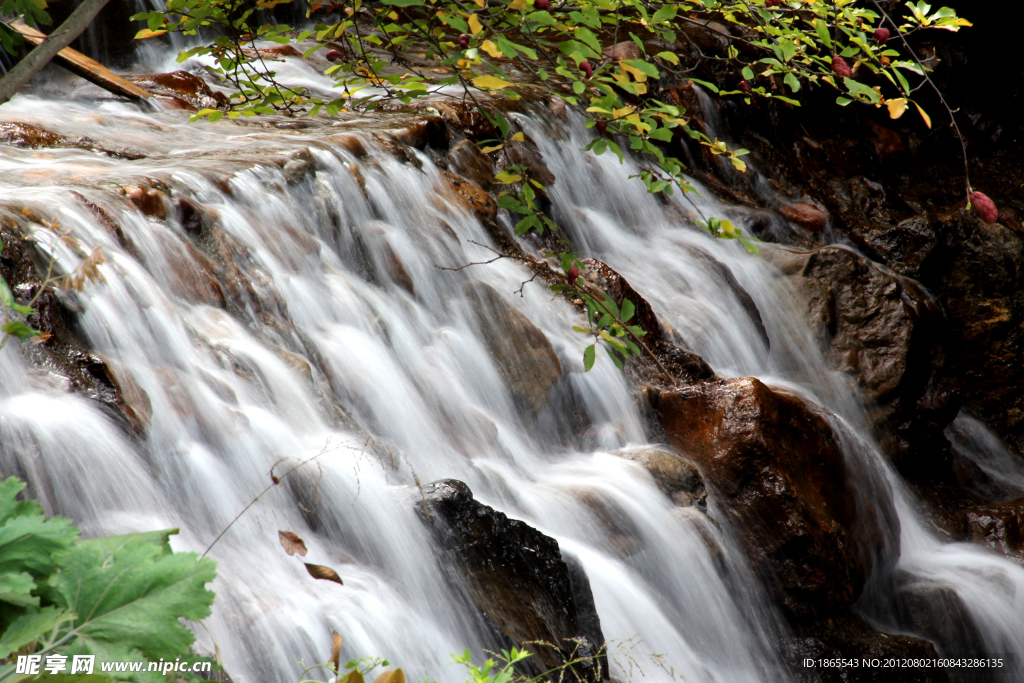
{"x": 343, "y": 337}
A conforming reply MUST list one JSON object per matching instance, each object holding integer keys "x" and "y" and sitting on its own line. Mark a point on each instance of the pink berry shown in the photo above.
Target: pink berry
{"x": 573, "y": 274}
{"x": 542, "y": 5}
{"x": 333, "y": 55}
{"x": 587, "y": 69}
{"x": 881, "y": 35}
{"x": 841, "y": 68}
{"x": 984, "y": 207}
{"x": 463, "y": 41}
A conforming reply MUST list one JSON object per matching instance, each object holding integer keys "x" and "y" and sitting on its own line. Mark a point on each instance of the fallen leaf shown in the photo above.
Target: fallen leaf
{"x": 336, "y": 651}
{"x": 490, "y": 82}
{"x": 292, "y": 543}
{"x": 318, "y": 571}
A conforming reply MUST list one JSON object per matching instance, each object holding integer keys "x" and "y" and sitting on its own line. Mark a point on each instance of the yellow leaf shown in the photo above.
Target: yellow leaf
{"x": 146, "y": 33}
{"x": 728, "y": 228}
{"x": 638, "y": 75}
{"x": 517, "y": 5}
{"x": 488, "y": 150}
{"x": 393, "y": 16}
{"x": 507, "y": 178}
{"x": 927, "y": 119}
{"x": 392, "y": 676}
{"x": 518, "y": 137}
{"x": 490, "y": 48}
{"x": 481, "y": 3}
{"x": 896, "y": 107}
{"x": 490, "y": 82}
{"x": 474, "y": 24}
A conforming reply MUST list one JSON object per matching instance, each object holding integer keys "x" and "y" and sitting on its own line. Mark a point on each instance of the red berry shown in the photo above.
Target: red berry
{"x": 984, "y": 207}
{"x": 881, "y": 35}
{"x": 463, "y": 41}
{"x": 744, "y": 86}
{"x": 860, "y": 22}
{"x": 542, "y": 5}
{"x": 587, "y": 69}
{"x": 601, "y": 127}
{"x": 333, "y": 55}
{"x": 772, "y": 3}
{"x": 573, "y": 273}
{"x": 841, "y": 68}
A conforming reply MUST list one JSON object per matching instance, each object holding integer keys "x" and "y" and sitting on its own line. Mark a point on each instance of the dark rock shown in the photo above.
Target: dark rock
{"x": 677, "y": 477}
{"x": 887, "y": 332}
{"x": 807, "y": 216}
{"x": 999, "y": 525}
{"x": 466, "y": 160}
{"x": 514, "y": 574}
{"x": 624, "y": 50}
{"x": 607, "y": 279}
{"x": 150, "y": 201}
{"x": 521, "y": 350}
{"x": 937, "y": 613}
{"x": 430, "y": 132}
{"x": 849, "y": 637}
{"x": 776, "y": 468}
{"x": 183, "y": 85}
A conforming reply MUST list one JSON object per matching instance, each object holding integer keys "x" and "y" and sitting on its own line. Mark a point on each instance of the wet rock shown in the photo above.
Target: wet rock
{"x": 31, "y": 136}
{"x": 677, "y": 477}
{"x": 849, "y": 637}
{"x": 887, "y": 332}
{"x": 777, "y": 469}
{"x": 351, "y": 143}
{"x": 182, "y": 85}
{"x": 132, "y": 400}
{"x": 514, "y": 574}
{"x": 522, "y": 351}
{"x": 472, "y": 198}
{"x": 430, "y": 132}
{"x": 150, "y": 201}
{"x": 466, "y": 160}
{"x": 935, "y": 612}
{"x": 999, "y": 525}
{"x": 807, "y": 216}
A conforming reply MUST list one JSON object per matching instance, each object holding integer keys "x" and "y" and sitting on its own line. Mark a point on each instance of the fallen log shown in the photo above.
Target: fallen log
{"x": 72, "y": 60}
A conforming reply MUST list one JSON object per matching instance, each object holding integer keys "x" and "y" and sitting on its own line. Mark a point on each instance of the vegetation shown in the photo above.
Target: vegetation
{"x": 118, "y": 598}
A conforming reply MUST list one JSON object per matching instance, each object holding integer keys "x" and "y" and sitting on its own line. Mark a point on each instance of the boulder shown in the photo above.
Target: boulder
{"x": 183, "y": 86}
{"x": 466, "y": 160}
{"x": 677, "y": 477}
{"x": 471, "y": 197}
{"x": 522, "y": 351}
{"x": 999, "y": 525}
{"x": 778, "y": 473}
{"x": 806, "y": 215}
{"x": 516, "y": 576}
{"x": 888, "y": 333}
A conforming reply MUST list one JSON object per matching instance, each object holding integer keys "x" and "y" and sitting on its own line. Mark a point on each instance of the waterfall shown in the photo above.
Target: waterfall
{"x": 344, "y": 339}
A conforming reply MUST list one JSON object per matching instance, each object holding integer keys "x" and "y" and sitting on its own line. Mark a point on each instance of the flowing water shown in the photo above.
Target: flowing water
{"x": 389, "y": 382}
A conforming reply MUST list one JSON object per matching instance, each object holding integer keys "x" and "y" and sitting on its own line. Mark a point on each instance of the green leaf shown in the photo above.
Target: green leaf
{"x": 6, "y": 297}
{"x": 615, "y": 358}
{"x": 823, "y": 34}
{"x": 666, "y": 13}
{"x": 29, "y": 628}
{"x": 793, "y": 82}
{"x": 748, "y": 73}
{"x": 670, "y": 57}
{"x": 128, "y": 594}
{"x": 588, "y": 358}
{"x": 627, "y": 310}
{"x": 28, "y": 541}
{"x": 402, "y": 3}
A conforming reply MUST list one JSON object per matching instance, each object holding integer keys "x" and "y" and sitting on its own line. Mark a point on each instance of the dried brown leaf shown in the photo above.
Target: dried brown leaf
{"x": 392, "y": 676}
{"x": 336, "y": 651}
{"x": 318, "y": 571}
{"x": 291, "y": 543}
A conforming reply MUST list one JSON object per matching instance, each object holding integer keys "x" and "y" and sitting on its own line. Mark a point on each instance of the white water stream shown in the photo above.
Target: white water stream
{"x": 230, "y": 397}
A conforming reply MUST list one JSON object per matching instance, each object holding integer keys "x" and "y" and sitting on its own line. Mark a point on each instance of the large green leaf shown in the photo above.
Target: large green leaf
{"x": 29, "y": 628}
{"x": 128, "y": 593}
{"x": 29, "y": 544}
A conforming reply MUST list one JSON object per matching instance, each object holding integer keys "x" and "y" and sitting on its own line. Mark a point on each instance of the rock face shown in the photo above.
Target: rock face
{"x": 522, "y": 352}
{"x": 886, "y": 332}
{"x": 516, "y": 576}
{"x": 677, "y": 477}
{"x": 999, "y": 525}
{"x": 778, "y": 472}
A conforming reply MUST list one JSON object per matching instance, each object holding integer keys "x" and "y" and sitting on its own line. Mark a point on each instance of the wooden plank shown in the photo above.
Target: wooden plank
{"x": 89, "y": 69}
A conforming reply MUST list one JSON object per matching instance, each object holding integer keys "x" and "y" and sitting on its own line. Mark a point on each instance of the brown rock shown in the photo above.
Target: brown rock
{"x": 149, "y": 201}
{"x": 465, "y": 160}
{"x": 999, "y": 525}
{"x": 624, "y": 50}
{"x": 471, "y": 197}
{"x": 183, "y": 85}
{"x": 431, "y": 131}
{"x": 776, "y": 467}
{"x": 516, "y": 576}
{"x": 522, "y": 352}
{"x": 807, "y": 216}
{"x": 607, "y": 279}
{"x": 886, "y": 331}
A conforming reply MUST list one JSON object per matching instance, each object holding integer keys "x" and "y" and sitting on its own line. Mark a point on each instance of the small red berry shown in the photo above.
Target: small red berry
{"x": 772, "y": 3}
{"x": 573, "y": 274}
{"x": 463, "y": 41}
{"x": 984, "y": 207}
{"x": 841, "y": 68}
{"x": 542, "y": 5}
{"x": 601, "y": 127}
{"x": 744, "y": 86}
{"x": 860, "y": 22}
{"x": 333, "y": 55}
{"x": 881, "y": 35}
{"x": 587, "y": 69}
